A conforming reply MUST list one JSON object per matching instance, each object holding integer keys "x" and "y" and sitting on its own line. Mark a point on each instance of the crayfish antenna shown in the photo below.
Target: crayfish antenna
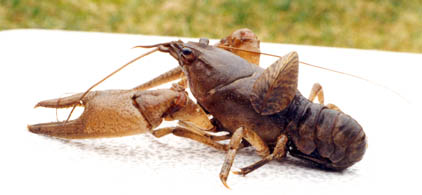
{"x": 151, "y": 46}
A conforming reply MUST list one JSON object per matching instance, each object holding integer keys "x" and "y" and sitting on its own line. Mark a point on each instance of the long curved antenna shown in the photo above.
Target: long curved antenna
{"x": 327, "y": 69}
{"x": 361, "y": 78}
{"x": 105, "y": 78}
{"x": 151, "y": 46}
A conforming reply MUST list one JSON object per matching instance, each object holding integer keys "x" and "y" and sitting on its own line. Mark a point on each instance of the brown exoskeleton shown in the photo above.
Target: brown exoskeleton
{"x": 261, "y": 106}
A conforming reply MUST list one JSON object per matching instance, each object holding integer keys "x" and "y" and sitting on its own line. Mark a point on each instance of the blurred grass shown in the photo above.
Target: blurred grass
{"x": 369, "y": 24}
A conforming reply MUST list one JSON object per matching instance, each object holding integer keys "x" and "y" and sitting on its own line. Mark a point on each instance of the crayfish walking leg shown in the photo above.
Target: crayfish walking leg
{"x": 235, "y": 144}
{"x": 279, "y": 152}
{"x": 318, "y": 92}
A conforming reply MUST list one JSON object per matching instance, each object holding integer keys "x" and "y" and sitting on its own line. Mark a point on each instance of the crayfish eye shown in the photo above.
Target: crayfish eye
{"x": 186, "y": 51}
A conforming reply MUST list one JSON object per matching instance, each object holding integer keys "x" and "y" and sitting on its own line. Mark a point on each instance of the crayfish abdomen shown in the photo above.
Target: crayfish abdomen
{"x": 325, "y": 136}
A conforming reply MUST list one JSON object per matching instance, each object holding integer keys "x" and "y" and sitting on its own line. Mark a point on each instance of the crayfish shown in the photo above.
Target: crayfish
{"x": 256, "y": 107}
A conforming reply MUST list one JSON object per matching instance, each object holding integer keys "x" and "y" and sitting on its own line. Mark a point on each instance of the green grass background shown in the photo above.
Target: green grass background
{"x": 394, "y": 25}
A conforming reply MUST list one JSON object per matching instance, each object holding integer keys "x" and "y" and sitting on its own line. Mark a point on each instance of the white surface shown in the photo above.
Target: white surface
{"x": 40, "y": 64}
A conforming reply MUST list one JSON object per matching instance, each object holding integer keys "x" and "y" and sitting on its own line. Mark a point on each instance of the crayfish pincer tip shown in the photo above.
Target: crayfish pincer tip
{"x": 39, "y": 104}
{"x": 240, "y": 172}
{"x": 223, "y": 180}
{"x": 32, "y": 128}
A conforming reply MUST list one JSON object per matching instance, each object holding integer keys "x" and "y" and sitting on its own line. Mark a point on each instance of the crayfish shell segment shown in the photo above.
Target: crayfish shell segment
{"x": 154, "y": 104}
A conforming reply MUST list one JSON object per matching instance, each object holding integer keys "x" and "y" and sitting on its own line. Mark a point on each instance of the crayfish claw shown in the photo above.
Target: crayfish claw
{"x": 109, "y": 113}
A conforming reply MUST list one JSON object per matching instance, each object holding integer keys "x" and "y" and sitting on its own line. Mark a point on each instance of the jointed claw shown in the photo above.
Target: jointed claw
{"x": 108, "y": 113}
